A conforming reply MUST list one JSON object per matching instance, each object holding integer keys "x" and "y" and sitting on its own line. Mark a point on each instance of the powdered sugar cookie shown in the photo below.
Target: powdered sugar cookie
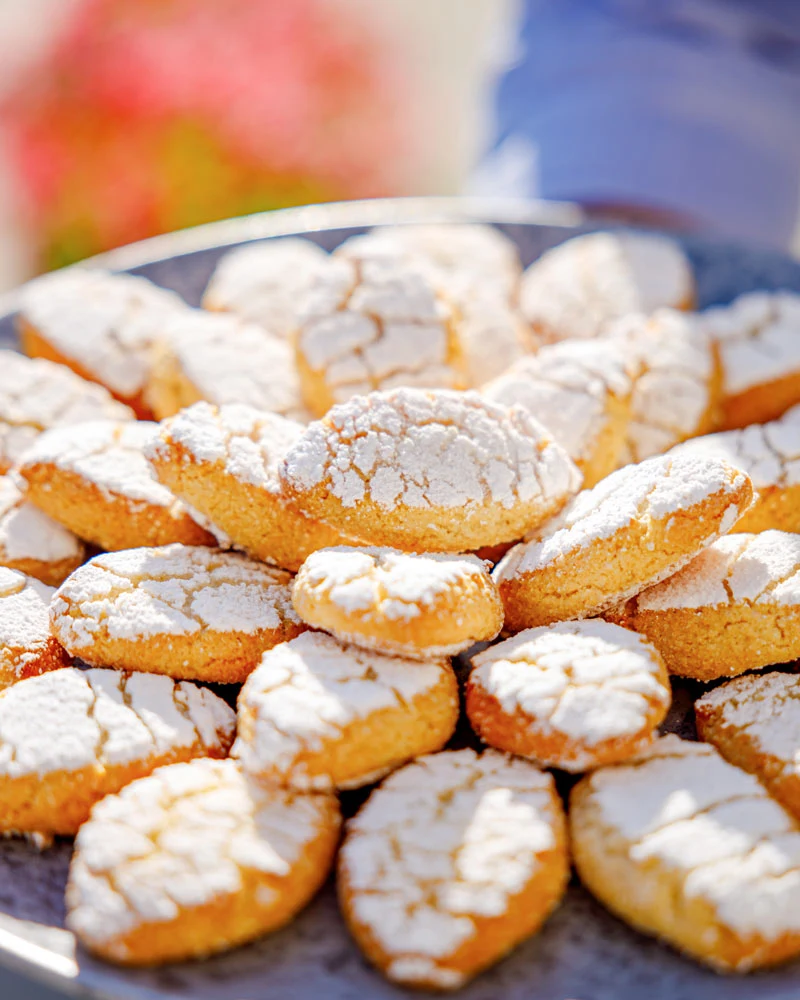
{"x": 31, "y": 542}
{"x": 222, "y": 359}
{"x": 317, "y": 713}
{"x": 267, "y": 282}
{"x": 36, "y": 395}
{"x": 574, "y": 289}
{"x": 71, "y": 736}
{"x": 636, "y": 527}
{"x": 735, "y": 607}
{"x": 759, "y": 343}
{"x": 582, "y": 393}
{"x": 397, "y": 602}
{"x": 26, "y": 646}
{"x": 186, "y": 611}
{"x": 754, "y": 722}
{"x": 196, "y": 859}
{"x": 576, "y": 695}
{"x": 101, "y": 325}
{"x": 95, "y": 480}
{"x": 684, "y": 846}
{"x": 435, "y": 471}
{"x": 224, "y": 462}
{"x": 452, "y": 862}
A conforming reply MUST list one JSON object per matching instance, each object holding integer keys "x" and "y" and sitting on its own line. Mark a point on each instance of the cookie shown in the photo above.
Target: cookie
{"x": 99, "y": 324}
{"x": 582, "y": 393}
{"x": 452, "y": 862}
{"x": 31, "y": 542}
{"x": 754, "y": 722}
{"x": 71, "y": 736}
{"x": 94, "y": 479}
{"x": 195, "y": 859}
{"x": 758, "y": 336}
{"x": 576, "y": 695}
{"x": 684, "y": 846}
{"x": 575, "y": 289}
{"x": 26, "y": 646}
{"x": 770, "y": 455}
{"x": 185, "y": 611}
{"x": 320, "y": 714}
{"x": 677, "y": 382}
{"x": 267, "y": 282}
{"x": 735, "y": 607}
{"x": 222, "y": 359}
{"x": 638, "y": 526}
{"x": 398, "y": 602}
{"x": 224, "y": 462}
{"x": 428, "y": 471}
{"x": 36, "y": 395}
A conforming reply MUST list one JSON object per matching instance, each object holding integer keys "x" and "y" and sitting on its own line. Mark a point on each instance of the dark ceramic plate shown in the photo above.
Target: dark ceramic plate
{"x": 583, "y": 953}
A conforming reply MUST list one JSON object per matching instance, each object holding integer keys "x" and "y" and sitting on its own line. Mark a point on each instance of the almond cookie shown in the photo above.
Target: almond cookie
{"x": 582, "y": 393}
{"x": 101, "y": 325}
{"x": 94, "y": 479}
{"x": 319, "y": 714}
{"x": 451, "y": 863}
{"x": 759, "y": 343}
{"x": 224, "y": 462}
{"x": 222, "y": 359}
{"x": 573, "y": 290}
{"x": 36, "y": 395}
{"x": 735, "y": 607}
{"x": 267, "y": 282}
{"x": 26, "y": 646}
{"x": 71, "y": 736}
{"x": 398, "y": 602}
{"x": 186, "y": 611}
{"x": 576, "y": 695}
{"x": 754, "y": 722}
{"x": 638, "y": 526}
{"x": 684, "y": 846}
{"x": 429, "y": 471}
{"x": 31, "y": 542}
{"x": 196, "y": 859}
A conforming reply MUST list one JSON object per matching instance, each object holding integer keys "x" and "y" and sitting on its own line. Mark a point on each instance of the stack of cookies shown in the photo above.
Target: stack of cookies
{"x": 313, "y": 494}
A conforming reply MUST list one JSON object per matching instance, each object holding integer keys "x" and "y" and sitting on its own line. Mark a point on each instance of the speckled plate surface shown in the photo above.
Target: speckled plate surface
{"x": 583, "y": 953}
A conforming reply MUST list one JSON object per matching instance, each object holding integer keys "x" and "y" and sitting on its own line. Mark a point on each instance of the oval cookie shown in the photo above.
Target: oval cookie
{"x": 184, "y": 611}
{"x": 735, "y": 607}
{"x": 683, "y": 846}
{"x": 453, "y": 861}
{"x": 397, "y": 602}
{"x": 26, "y": 646}
{"x": 637, "y": 526}
{"x": 95, "y": 480}
{"x": 317, "y": 713}
{"x": 195, "y": 859}
{"x": 69, "y": 737}
{"x": 436, "y": 471}
{"x": 576, "y": 695}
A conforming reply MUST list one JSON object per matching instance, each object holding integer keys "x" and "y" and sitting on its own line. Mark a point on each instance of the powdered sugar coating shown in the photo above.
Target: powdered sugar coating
{"x": 446, "y": 840}
{"x": 106, "y": 323}
{"x": 758, "y": 336}
{"x": 28, "y": 534}
{"x": 24, "y": 623}
{"x": 137, "y": 594}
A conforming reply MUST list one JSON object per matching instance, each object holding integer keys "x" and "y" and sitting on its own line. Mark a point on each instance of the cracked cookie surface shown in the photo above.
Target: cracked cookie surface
{"x": 636, "y": 527}
{"x": 196, "y": 859}
{"x": 26, "y": 646}
{"x": 686, "y": 847}
{"x": 428, "y": 471}
{"x": 576, "y": 695}
{"x": 185, "y": 611}
{"x": 398, "y": 602}
{"x": 71, "y": 736}
{"x": 318, "y": 713}
{"x": 452, "y": 862}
